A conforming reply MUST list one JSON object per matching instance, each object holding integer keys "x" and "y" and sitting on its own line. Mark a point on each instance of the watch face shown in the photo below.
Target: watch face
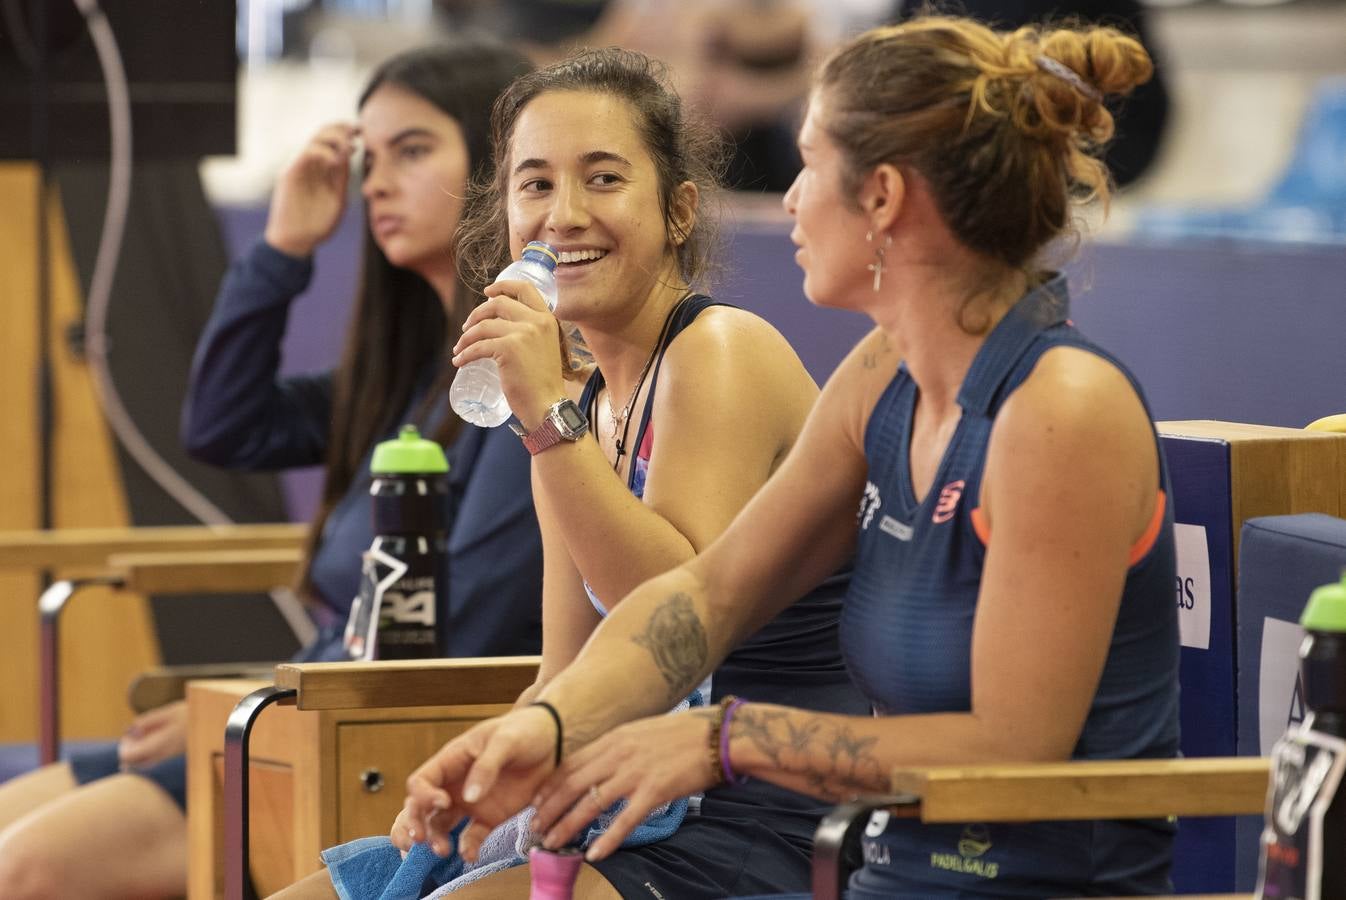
{"x": 572, "y": 420}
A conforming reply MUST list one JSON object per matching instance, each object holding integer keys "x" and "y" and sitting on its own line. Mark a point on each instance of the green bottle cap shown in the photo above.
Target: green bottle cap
{"x": 1326, "y": 610}
{"x": 408, "y": 453}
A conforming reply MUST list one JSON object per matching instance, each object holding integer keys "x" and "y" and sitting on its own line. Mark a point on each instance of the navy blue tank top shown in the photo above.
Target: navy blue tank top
{"x": 907, "y": 635}
{"x": 794, "y": 660}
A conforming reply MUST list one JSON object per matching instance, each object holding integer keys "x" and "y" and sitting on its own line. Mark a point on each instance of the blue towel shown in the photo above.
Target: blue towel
{"x": 373, "y": 869}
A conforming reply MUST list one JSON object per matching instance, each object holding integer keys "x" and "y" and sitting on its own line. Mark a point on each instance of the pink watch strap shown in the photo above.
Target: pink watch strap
{"x": 544, "y": 436}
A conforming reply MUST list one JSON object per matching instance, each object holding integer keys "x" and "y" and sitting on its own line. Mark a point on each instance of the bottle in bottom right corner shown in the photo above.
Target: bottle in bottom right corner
{"x": 1303, "y": 848}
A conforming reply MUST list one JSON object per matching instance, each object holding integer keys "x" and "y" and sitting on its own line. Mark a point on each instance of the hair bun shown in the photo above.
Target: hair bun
{"x": 1067, "y": 73}
{"x": 1104, "y": 58}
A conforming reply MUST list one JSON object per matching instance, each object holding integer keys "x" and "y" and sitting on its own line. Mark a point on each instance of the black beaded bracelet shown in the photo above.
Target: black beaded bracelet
{"x": 556, "y": 717}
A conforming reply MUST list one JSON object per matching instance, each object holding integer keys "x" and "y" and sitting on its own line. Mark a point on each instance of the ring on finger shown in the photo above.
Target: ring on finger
{"x": 597, "y": 798}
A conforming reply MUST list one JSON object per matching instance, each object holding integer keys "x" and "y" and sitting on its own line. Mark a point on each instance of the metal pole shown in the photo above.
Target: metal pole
{"x": 50, "y": 605}
{"x": 237, "y": 868}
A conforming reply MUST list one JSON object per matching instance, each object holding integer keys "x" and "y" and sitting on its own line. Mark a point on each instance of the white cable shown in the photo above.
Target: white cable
{"x": 99, "y": 302}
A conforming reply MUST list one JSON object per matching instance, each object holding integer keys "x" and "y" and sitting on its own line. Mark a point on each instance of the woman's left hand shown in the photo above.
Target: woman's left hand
{"x": 647, "y": 762}
{"x": 515, "y": 328}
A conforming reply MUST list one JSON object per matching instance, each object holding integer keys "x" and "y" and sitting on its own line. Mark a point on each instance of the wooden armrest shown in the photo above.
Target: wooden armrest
{"x": 422, "y": 682}
{"x": 90, "y": 547}
{"x": 1022, "y": 792}
{"x": 1116, "y": 789}
{"x": 165, "y": 684}
{"x": 214, "y": 571}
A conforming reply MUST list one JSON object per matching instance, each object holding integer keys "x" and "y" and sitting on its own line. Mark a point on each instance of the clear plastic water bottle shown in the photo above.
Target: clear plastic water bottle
{"x": 475, "y": 394}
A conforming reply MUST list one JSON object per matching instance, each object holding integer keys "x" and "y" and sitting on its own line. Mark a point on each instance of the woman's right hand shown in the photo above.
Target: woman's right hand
{"x": 488, "y": 773}
{"x": 154, "y": 736}
{"x": 310, "y": 196}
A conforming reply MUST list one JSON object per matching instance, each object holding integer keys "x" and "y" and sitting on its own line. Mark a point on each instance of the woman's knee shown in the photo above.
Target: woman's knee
{"x": 31, "y": 862}
{"x": 118, "y": 836}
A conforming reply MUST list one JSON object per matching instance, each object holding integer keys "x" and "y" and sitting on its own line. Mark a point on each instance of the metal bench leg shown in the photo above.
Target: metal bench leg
{"x": 237, "y": 868}
{"x": 49, "y": 607}
{"x": 837, "y": 839}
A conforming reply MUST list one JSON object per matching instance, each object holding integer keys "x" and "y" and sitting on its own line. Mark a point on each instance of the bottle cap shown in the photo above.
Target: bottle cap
{"x": 1326, "y": 609}
{"x": 542, "y": 253}
{"x": 408, "y": 453}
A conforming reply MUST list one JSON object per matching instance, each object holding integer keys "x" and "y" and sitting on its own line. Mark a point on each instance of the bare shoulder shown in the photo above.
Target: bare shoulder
{"x": 725, "y": 345}
{"x": 729, "y": 331}
{"x": 1076, "y": 405}
{"x": 1070, "y": 384}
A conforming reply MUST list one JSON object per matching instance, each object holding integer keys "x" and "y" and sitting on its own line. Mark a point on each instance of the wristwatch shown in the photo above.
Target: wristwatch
{"x": 564, "y": 422}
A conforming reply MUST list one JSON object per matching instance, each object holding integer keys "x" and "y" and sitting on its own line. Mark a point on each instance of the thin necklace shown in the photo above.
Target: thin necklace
{"x": 624, "y": 423}
{"x": 619, "y": 421}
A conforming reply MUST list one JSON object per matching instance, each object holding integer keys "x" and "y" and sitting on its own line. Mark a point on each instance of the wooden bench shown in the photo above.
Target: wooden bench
{"x": 329, "y": 764}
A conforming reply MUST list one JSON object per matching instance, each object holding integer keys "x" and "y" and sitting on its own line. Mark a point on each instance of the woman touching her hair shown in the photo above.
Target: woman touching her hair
{"x": 423, "y": 130}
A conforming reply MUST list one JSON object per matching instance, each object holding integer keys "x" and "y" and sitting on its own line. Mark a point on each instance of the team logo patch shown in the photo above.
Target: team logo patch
{"x": 949, "y": 495}
{"x": 869, "y": 504}
{"x": 975, "y": 840}
{"x": 972, "y": 847}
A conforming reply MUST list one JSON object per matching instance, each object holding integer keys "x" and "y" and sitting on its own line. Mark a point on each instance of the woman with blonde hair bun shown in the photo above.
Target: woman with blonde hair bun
{"x": 1013, "y": 542}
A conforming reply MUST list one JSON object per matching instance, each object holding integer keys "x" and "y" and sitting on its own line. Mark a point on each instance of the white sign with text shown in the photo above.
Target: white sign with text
{"x": 1193, "y": 586}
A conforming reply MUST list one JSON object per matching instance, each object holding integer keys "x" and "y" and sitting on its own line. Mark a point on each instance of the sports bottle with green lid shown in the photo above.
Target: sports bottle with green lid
{"x": 395, "y": 615}
{"x": 1304, "y": 838}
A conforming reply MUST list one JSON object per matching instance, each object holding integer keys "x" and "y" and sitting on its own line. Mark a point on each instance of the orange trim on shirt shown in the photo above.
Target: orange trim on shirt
{"x": 981, "y": 526}
{"x": 1138, "y": 550}
{"x": 1142, "y": 546}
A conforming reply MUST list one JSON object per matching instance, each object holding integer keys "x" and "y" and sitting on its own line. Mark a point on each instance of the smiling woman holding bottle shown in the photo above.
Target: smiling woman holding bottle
{"x": 642, "y": 460}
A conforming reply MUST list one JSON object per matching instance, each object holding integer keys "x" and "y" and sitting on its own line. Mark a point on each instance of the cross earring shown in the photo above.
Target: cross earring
{"x": 877, "y": 265}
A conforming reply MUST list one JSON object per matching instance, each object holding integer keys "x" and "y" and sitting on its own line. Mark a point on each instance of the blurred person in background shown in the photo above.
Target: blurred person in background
{"x": 743, "y": 63}
{"x": 112, "y": 823}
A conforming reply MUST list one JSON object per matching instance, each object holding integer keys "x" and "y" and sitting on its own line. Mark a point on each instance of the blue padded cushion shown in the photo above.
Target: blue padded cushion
{"x": 1281, "y": 560}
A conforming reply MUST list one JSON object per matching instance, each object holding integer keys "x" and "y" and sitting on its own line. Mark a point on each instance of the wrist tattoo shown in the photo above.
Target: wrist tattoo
{"x": 579, "y": 731}
{"x": 835, "y": 761}
{"x": 676, "y": 640}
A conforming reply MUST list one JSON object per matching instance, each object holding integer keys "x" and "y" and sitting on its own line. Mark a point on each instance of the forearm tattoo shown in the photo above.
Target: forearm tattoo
{"x": 835, "y": 761}
{"x": 677, "y": 641}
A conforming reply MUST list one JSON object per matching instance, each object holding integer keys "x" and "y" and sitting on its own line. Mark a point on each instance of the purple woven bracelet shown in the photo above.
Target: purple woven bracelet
{"x": 728, "y": 771}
